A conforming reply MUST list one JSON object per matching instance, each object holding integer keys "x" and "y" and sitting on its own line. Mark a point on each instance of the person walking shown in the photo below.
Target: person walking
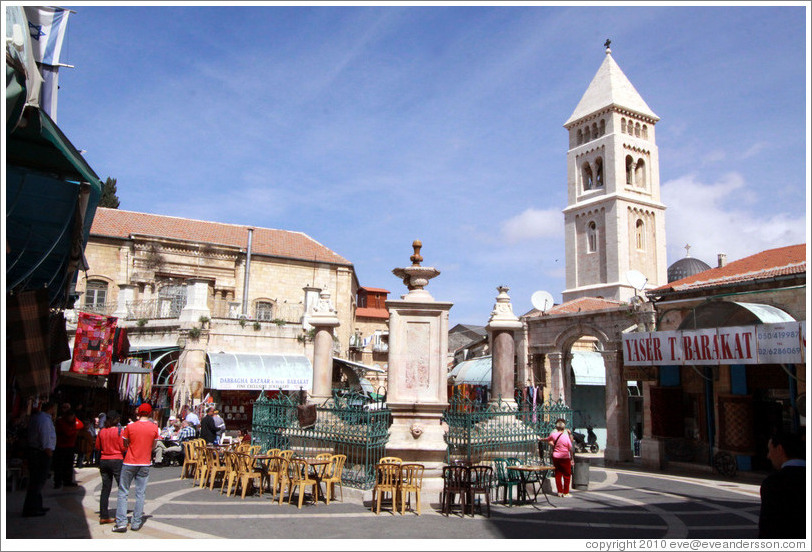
{"x": 110, "y": 445}
{"x": 41, "y": 445}
{"x": 140, "y": 438}
{"x": 562, "y": 456}
{"x": 67, "y": 428}
{"x": 783, "y": 493}
{"x": 208, "y": 427}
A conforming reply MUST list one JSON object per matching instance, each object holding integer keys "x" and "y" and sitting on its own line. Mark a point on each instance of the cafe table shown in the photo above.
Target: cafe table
{"x": 317, "y": 468}
{"x": 532, "y": 474}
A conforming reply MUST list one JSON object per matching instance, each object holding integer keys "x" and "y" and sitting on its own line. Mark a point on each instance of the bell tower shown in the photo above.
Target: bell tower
{"x": 614, "y": 221}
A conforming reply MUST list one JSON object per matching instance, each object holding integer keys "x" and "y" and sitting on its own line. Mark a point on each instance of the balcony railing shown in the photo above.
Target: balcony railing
{"x": 162, "y": 308}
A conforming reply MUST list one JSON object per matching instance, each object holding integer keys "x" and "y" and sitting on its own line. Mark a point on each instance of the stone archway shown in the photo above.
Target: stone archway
{"x": 553, "y": 336}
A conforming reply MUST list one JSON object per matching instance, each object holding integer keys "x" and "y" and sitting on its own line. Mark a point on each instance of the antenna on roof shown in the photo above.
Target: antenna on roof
{"x": 541, "y": 300}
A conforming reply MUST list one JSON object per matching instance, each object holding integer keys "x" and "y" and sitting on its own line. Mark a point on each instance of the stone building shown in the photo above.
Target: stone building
{"x": 369, "y": 344}
{"x": 200, "y": 298}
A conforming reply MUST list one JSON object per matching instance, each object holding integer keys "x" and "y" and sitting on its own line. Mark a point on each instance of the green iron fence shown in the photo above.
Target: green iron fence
{"x": 347, "y": 423}
{"x": 479, "y": 432}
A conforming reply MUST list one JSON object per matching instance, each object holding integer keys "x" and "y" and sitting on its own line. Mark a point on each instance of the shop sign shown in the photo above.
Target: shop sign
{"x": 779, "y": 343}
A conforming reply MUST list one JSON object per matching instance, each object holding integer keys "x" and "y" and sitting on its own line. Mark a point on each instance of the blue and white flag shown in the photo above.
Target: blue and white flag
{"x": 48, "y": 27}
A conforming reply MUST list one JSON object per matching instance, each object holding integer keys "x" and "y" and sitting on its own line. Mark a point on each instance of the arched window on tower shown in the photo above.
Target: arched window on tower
{"x": 599, "y": 172}
{"x": 586, "y": 176}
{"x": 629, "y": 170}
{"x": 637, "y": 130}
{"x": 586, "y": 134}
{"x": 645, "y": 132}
{"x": 622, "y": 124}
{"x": 640, "y": 173}
{"x": 640, "y": 235}
{"x": 603, "y": 127}
{"x": 595, "y": 130}
{"x": 591, "y": 237}
{"x": 580, "y": 136}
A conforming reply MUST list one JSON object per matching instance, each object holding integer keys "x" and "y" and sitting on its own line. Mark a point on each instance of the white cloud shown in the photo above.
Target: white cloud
{"x": 714, "y": 218}
{"x": 714, "y": 156}
{"x": 533, "y": 224}
{"x": 754, "y": 149}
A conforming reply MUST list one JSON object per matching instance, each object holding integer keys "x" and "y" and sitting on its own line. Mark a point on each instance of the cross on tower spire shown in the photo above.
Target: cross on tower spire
{"x": 687, "y": 250}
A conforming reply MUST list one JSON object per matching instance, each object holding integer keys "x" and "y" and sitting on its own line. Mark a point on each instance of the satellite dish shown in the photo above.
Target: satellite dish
{"x": 541, "y": 300}
{"x": 637, "y": 279}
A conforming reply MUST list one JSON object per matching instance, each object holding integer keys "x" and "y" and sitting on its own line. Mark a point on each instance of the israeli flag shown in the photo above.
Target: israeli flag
{"x": 48, "y": 27}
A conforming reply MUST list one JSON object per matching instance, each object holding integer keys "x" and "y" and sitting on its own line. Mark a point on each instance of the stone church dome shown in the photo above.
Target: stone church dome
{"x": 685, "y": 267}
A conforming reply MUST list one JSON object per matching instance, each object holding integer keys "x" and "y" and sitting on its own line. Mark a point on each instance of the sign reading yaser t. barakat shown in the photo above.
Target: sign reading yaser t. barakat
{"x": 779, "y": 343}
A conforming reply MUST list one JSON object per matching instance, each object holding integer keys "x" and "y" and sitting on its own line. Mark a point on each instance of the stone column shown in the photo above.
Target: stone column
{"x": 556, "y": 361}
{"x": 197, "y": 301}
{"x": 323, "y": 318}
{"x": 418, "y": 369}
{"x": 501, "y": 326}
{"x": 618, "y": 441}
{"x": 652, "y": 450}
{"x": 126, "y": 293}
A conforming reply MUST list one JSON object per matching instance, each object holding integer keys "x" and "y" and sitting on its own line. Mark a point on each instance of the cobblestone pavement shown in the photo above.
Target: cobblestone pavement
{"x": 619, "y": 504}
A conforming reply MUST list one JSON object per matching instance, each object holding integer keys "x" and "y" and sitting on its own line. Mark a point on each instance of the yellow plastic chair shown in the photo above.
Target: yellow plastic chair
{"x": 411, "y": 481}
{"x": 189, "y": 462}
{"x": 216, "y": 467}
{"x": 387, "y": 479}
{"x": 332, "y": 476}
{"x": 299, "y": 479}
{"x": 390, "y": 460}
{"x": 232, "y": 472}
{"x": 200, "y": 460}
{"x": 246, "y": 473}
{"x": 286, "y": 454}
{"x": 284, "y": 477}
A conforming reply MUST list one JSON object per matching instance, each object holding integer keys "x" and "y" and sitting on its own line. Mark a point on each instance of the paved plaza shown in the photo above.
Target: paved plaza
{"x": 621, "y": 503}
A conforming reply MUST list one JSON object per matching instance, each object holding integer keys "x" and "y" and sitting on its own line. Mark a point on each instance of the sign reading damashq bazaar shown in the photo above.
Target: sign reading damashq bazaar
{"x": 780, "y": 343}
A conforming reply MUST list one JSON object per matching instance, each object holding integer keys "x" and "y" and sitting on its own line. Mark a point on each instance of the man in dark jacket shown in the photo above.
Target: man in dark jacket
{"x": 783, "y": 493}
{"x": 208, "y": 426}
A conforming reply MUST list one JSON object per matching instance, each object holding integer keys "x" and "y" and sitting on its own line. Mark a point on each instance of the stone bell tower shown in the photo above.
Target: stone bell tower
{"x": 614, "y": 220}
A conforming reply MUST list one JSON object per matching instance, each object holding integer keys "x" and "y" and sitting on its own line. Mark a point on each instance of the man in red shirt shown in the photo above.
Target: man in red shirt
{"x": 140, "y": 437}
{"x": 67, "y": 426}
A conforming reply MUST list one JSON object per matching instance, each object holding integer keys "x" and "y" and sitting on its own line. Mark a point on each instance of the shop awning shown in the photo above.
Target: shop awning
{"x": 245, "y": 371}
{"x": 476, "y": 371}
{"x": 358, "y": 365}
{"x": 117, "y": 368}
{"x": 587, "y": 366}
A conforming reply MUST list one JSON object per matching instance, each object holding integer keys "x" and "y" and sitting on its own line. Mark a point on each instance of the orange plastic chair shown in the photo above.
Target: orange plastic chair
{"x": 387, "y": 479}
{"x": 299, "y": 479}
{"x": 411, "y": 481}
{"x": 332, "y": 476}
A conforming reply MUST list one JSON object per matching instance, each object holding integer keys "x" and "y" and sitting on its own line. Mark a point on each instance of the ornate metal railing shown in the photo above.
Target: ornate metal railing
{"x": 347, "y": 423}
{"x": 479, "y": 431}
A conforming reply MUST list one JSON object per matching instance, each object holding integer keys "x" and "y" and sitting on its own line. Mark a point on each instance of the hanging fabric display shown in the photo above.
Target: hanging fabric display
{"x": 93, "y": 345}
{"x": 28, "y": 352}
{"x": 121, "y": 345}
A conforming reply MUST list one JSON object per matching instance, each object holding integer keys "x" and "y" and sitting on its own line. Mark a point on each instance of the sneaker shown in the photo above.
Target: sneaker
{"x": 120, "y": 529}
{"x": 136, "y": 527}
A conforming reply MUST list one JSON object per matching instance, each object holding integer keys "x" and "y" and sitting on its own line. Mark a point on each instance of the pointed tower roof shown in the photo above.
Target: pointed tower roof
{"x": 609, "y": 87}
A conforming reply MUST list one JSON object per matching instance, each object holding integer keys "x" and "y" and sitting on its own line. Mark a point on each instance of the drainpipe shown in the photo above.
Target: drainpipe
{"x": 247, "y": 272}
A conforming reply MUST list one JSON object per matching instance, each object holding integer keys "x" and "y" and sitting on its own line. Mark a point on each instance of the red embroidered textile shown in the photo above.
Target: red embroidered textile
{"x": 93, "y": 346}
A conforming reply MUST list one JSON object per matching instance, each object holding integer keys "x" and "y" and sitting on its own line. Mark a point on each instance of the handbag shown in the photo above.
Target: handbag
{"x": 306, "y": 414}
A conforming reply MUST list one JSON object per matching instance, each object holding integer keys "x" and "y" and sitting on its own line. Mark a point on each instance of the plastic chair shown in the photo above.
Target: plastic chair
{"x": 284, "y": 479}
{"x": 411, "y": 481}
{"x": 333, "y": 476}
{"x": 200, "y": 460}
{"x": 246, "y": 473}
{"x": 189, "y": 462}
{"x": 505, "y": 479}
{"x": 232, "y": 472}
{"x": 390, "y": 460}
{"x": 286, "y": 454}
{"x": 456, "y": 480}
{"x": 387, "y": 479}
{"x": 481, "y": 483}
{"x": 299, "y": 478}
{"x": 215, "y": 467}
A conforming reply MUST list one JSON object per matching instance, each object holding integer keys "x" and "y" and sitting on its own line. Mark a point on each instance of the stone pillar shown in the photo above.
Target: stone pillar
{"x": 501, "y": 326}
{"x": 323, "y": 318}
{"x": 556, "y": 361}
{"x": 126, "y": 293}
{"x": 418, "y": 369}
{"x": 197, "y": 301}
{"x": 618, "y": 441}
{"x": 652, "y": 450}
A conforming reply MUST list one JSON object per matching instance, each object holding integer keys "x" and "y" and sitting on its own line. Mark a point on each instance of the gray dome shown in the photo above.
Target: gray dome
{"x": 685, "y": 267}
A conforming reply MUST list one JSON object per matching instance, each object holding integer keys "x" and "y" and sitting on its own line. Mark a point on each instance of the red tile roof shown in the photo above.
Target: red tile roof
{"x": 367, "y": 312}
{"x": 582, "y": 304}
{"x": 375, "y": 290}
{"x": 265, "y": 241}
{"x": 782, "y": 261}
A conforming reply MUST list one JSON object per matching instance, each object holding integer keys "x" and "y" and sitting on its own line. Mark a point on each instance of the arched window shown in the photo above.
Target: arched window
{"x": 645, "y": 132}
{"x": 629, "y": 170}
{"x": 263, "y": 310}
{"x": 580, "y": 136}
{"x": 640, "y": 235}
{"x": 630, "y": 127}
{"x": 595, "y": 130}
{"x": 603, "y": 127}
{"x": 591, "y": 237}
{"x": 95, "y": 295}
{"x": 586, "y": 176}
{"x": 640, "y": 173}
{"x": 637, "y": 130}
{"x": 586, "y": 134}
{"x": 599, "y": 172}
{"x": 622, "y": 124}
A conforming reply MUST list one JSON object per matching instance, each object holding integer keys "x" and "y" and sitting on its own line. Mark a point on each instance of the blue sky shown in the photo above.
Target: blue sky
{"x": 369, "y": 127}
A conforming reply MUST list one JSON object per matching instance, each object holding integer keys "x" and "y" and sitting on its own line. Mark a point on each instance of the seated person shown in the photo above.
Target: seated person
{"x": 169, "y": 444}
